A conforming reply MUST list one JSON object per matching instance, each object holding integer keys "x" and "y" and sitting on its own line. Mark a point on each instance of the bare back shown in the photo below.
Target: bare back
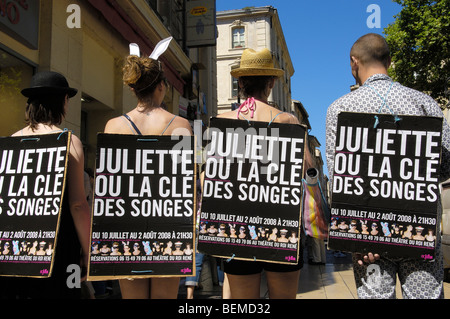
{"x": 158, "y": 122}
{"x": 263, "y": 113}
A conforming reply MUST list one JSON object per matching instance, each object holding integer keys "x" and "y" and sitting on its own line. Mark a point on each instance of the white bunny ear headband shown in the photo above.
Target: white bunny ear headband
{"x": 160, "y": 48}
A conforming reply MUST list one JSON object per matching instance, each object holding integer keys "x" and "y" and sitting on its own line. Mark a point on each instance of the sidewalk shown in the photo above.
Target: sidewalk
{"x": 334, "y": 280}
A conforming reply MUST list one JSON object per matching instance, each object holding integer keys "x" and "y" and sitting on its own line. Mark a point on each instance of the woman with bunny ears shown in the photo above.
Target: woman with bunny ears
{"x": 145, "y": 77}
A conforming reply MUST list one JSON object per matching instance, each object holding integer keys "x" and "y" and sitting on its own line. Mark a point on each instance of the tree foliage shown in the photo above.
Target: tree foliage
{"x": 420, "y": 46}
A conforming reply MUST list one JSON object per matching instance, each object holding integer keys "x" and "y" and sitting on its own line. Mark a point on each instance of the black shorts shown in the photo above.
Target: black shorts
{"x": 243, "y": 267}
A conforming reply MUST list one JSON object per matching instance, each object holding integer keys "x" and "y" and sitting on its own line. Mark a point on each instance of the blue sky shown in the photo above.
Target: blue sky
{"x": 319, "y": 35}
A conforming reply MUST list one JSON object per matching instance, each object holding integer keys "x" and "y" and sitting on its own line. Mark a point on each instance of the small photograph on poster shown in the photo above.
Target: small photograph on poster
{"x": 385, "y": 188}
{"x": 32, "y": 184}
{"x": 252, "y": 191}
{"x": 143, "y": 207}
{"x": 383, "y": 232}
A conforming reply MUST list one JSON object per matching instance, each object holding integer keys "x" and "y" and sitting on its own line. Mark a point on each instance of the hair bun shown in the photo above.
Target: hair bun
{"x": 142, "y": 74}
{"x": 132, "y": 70}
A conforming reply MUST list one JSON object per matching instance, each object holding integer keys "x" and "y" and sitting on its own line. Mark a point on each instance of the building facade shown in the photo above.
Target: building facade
{"x": 253, "y": 28}
{"x": 87, "y": 41}
{"x": 258, "y": 28}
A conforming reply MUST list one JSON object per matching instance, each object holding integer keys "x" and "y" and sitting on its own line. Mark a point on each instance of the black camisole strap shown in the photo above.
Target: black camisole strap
{"x": 132, "y": 123}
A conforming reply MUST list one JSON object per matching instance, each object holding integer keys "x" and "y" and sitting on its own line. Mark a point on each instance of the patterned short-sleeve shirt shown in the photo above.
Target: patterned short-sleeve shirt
{"x": 400, "y": 100}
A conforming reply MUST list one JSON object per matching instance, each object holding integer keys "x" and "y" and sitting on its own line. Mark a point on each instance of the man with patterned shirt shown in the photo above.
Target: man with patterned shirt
{"x": 376, "y": 276}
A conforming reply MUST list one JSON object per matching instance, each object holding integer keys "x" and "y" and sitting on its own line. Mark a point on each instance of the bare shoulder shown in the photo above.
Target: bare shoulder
{"x": 228, "y": 115}
{"x": 114, "y": 125}
{"x": 75, "y": 141}
{"x": 180, "y": 126}
{"x": 76, "y": 146}
{"x": 18, "y": 133}
{"x": 287, "y": 118}
{"x": 181, "y": 121}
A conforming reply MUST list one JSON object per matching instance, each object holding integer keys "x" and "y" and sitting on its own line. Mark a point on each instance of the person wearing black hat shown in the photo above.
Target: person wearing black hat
{"x": 48, "y": 98}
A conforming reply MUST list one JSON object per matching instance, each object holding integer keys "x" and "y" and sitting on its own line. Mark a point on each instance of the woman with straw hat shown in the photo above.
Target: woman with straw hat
{"x": 257, "y": 76}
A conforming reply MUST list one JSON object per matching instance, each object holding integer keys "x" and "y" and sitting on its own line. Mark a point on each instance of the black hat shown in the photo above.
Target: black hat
{"x": 47, "y": 83}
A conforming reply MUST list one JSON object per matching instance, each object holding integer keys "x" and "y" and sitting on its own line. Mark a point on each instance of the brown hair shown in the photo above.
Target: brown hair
{"x": 46, "y": 109}
{"x": 370, "y": 49}
{"x": 142, "y": 74}
{"x": 253, "y": 84}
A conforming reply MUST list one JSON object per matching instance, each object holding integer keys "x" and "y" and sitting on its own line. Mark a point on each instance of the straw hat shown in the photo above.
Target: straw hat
{"x": 256, "y": 63}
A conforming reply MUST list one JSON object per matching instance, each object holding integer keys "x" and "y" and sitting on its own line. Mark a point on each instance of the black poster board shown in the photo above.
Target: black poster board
{"x": 144, "y": 205}
{"x": 385, "y": 189}
{"x": 252, "y": 191}
{"x": 32, "y": 183}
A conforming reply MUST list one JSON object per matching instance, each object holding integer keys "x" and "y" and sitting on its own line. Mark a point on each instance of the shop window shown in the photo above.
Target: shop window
{"x": 15, "y": 75}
